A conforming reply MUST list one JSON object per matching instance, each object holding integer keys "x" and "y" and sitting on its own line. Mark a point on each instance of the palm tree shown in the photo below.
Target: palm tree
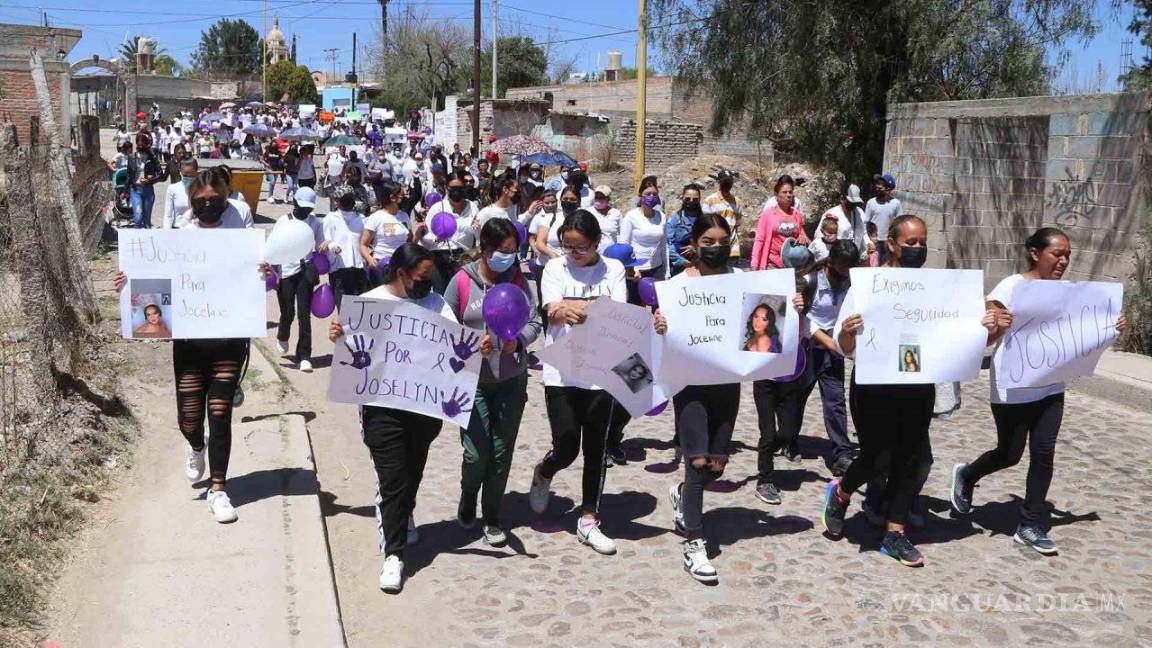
{"x": 163, "y": 64}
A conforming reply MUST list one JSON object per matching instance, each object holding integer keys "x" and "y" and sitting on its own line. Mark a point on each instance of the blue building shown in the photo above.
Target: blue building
{"x": 337, "y": 97}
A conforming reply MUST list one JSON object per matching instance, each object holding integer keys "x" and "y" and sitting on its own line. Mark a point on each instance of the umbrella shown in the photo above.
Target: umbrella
{"x": 260, "y": 130}
{"x": 355, "y": 115}
{"x": 298, "y": 134}
{"x": 226, "y": 105}
{"x": 520, "y": 145}
{"x": 141, "y": 115}
{"x": 253, "y": 104}
{"x": 341, "y": 140}
{"x": 211, "y": 117}
{"x": 555, "y": 158}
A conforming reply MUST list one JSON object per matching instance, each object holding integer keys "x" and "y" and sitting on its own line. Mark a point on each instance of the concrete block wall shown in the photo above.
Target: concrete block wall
{"x": 985, "y": 174}
{"x": 665, "y": 143}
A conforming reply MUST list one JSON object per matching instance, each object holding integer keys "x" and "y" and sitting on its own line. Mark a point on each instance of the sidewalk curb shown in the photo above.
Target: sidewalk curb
{"x": 319, "y": 622}
{"x": 1124, "y": 378}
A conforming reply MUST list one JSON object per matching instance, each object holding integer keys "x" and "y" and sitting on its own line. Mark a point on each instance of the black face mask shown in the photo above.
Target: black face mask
{"x": 347, "y": 202}
{"x": 691, "y": 206}
{"x": 301, "y": 212}
{"x": 420, "y": 289}
{"x": 457, "y": 194}
{"x": 912, "y": 257}
{"x": 569, "y": 207}
{"x": 516, "y": 197}
{"x": 210, "y": 212}
{"x": 714, "y": 257}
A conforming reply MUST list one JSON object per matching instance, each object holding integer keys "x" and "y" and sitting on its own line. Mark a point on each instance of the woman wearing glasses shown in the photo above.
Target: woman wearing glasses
{"x": 579, "y": 413}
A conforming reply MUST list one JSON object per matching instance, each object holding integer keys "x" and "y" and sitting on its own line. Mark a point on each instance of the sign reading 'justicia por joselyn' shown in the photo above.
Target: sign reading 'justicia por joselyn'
{"x": 400, "y": 355}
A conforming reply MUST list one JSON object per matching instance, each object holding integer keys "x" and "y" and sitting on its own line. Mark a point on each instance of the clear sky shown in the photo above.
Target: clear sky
{"x": 323, "y": 24}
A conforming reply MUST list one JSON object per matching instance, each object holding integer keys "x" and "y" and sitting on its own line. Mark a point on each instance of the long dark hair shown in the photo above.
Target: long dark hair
{"x": 495, "y": 232}
{"x": 406, "y": 257}
{"x": 581, "y": 222}
{"x": 771, "y": 331}
{"x": 705, "y": 222}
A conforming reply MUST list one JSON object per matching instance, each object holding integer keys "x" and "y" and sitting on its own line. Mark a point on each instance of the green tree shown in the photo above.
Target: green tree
{"x": 519, "y": 63}
{"x": 1140, "y": 76}
{"x": 292, "y": 83}
{"x": 818, "y": 76}
{"x": 424, "y": 61}
{"x": 163, "y": 63}
{"x": 228, "y": 48}
{"x": 627, "y": 73}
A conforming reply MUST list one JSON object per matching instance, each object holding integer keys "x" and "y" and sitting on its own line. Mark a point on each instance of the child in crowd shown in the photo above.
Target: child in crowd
{"x": 874, "y": 255}
{"x": 829, "y": 229}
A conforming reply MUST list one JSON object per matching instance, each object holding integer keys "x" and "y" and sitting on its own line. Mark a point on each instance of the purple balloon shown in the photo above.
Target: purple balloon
{"x": 534, "y": 265}
{"x": 431, "y": 198}
{"x": 521, "y": 231}
{"x": 323, "y": 301}
{"x": 443, "y": 225}
{"x": 656, "y": 411}
{"x": 271, "y": 281}
{"x": 321, "y": 263}
{"x": 647, "y": 289}
{"x": 506, "y": 310}
{"x": 801, "y": 363}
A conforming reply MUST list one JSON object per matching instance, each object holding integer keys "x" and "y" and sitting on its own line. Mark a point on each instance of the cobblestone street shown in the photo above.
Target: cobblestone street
{"x": 780, "y": 578}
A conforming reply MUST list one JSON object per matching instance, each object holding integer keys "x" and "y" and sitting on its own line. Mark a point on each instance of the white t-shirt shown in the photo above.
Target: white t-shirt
{"x": 496, "y": 211}
{"x": 609, "y": 226}
{"x": 551, "y": 220}
{"x": 563, "y": 280}
{"x": 389, "y": 232}
{"x": 881, "y": 214}
{"x": 244, "y": 210}
{"x": 432, "y": 301}
{"x": 1003, "y": 293}
{"x": 175, "y": 205}
{"x": 463, "y": 239}
{"x": 335, "y": 164}
{"x": 342, "y": 229}
{"x": 647, "y": 237}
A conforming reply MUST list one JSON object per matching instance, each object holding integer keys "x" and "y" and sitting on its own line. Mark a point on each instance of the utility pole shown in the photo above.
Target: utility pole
{"x": 383, "y": 36}
{"x": 476, "y": 77}
{"x": 332, "y": 59}
{"x": 641, "y": 90}
{"x": 264, "y": 58}
{"x": 495, "y": 41}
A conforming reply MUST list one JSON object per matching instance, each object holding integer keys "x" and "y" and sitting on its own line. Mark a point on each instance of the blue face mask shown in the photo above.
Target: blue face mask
{"x": 501, "y": 261}
{"x": 187, "y": 183}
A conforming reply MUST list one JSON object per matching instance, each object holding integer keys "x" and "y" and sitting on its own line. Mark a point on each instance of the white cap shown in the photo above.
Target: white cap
{"x": 854, "y": 195}
{"x": 305, "y": 197}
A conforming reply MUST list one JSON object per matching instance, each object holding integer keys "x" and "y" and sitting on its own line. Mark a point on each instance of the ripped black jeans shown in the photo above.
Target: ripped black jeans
{"x": 207, "y": 374}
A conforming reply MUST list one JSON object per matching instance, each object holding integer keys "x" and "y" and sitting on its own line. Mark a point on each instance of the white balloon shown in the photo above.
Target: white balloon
{"x": 289, "y": 241}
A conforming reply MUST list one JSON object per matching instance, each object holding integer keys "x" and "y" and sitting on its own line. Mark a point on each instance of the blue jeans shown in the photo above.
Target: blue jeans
{"x": 271, "y": 178}
{"x": 143, "y": 197}
{"x": 290, "y": 181}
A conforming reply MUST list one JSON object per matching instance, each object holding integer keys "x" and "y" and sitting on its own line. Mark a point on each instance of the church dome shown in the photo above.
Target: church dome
{"x": 275, "y": 36}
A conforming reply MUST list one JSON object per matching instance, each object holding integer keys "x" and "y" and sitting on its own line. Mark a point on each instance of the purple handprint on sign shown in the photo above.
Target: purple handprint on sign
{"x": 468, "y": 344}
{"x": 360, "y": 356}
{"x": 457, "y": 405}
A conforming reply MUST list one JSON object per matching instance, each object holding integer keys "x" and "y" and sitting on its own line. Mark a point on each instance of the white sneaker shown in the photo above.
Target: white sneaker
{"x": 282, "y": 347}
{"x": 392, "y": 574}
{"x": 221, "y": 506}
{"x": 592, "y": 536}
{"x": 696, "y": 561}
{"x": 194, "y": 467}
{"x": 413, "y": 534}
{"x": 677, "y": 513}
{"x": 540, "y": 492}
{"x": 494, "y": 536}
{"x": 306, "y": 366}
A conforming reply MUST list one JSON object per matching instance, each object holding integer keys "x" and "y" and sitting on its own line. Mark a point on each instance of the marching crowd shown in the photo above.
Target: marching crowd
{"x": 439, "y": 229}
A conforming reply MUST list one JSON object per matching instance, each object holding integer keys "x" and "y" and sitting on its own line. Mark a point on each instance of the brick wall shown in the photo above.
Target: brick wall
{"x": 19, "y": 94}
{"x": 985, "y": 174}
{"x": 665, "y": 143}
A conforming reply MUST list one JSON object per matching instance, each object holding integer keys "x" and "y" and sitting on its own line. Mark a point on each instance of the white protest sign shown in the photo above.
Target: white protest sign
{"x": 920, "y": 326}
{"x": 614, "y": 349}
{"x": 192, "y": 283}
{"x": 1059, "y": 331}
{"x": 728, "y": 328}
{"x": 397, "y": 354}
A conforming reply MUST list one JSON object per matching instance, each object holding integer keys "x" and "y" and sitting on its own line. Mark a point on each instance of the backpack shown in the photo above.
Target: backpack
{"x": 464, "y": 287}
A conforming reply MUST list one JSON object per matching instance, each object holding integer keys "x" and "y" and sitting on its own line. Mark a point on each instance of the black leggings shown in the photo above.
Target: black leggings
{"x": 891, "y": 421}
{"x": 705, "y": 417}
{"x": 398, "y": 442}
{"x": 207, "y": 374}
{"x": 780, "y": 413}
{"x": 295, "y": 294}
{"x": 581, "y": 419}
{"x": 1038, "y": 423}
{"x": 347, "y": 281}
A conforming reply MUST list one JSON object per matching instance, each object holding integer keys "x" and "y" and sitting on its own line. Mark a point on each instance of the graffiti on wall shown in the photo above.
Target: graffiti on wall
{"x": 1072, "y": 199}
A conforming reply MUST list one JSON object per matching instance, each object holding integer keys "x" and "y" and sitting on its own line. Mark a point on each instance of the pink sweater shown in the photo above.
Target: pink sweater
{"x": 766, "y": 248}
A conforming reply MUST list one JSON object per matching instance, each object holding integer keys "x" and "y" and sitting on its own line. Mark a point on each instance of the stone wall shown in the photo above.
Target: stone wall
{"x": 985, "y": 174}
{"x": 665, "y": 143}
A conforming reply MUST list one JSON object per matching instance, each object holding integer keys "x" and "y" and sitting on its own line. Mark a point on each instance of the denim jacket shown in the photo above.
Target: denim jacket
{"x": 678, "y": 230}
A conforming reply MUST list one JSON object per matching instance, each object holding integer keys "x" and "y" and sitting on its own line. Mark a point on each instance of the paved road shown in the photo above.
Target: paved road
{"x": 780, "y": 579}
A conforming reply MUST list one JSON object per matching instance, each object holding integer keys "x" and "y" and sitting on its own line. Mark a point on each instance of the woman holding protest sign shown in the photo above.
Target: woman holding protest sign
{"x": 399, "y": 440}
{"x": 580, "y": 414}
{"x": 1031, "y": 415}
{"x": 705, "y": 414}
{"x": 208, "y": 370}
{"x": 901, "y": 442}
{"x": 490, "y": 438}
